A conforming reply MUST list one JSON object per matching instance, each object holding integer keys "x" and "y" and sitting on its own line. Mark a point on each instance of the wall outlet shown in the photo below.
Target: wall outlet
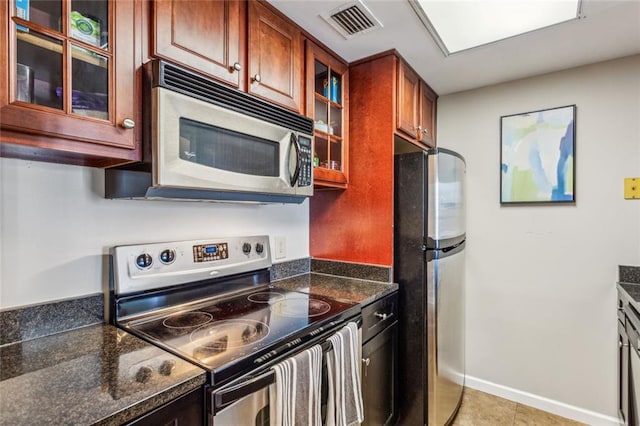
{"x": 281, "y": 247}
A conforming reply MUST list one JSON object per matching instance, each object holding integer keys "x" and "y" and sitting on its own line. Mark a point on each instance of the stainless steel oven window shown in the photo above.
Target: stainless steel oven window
{"x": 225, "y": 149}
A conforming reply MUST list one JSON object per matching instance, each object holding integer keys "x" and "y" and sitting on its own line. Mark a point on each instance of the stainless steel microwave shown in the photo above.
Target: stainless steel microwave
{"x": 206, "y": 141}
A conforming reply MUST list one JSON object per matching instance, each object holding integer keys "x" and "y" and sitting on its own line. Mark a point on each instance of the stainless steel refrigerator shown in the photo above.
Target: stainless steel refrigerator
{"x": 429, "y": 240}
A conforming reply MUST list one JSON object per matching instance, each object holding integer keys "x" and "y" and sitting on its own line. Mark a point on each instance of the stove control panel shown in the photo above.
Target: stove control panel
{"x": 209, "y": 252}
{"x": 155, "y": 265}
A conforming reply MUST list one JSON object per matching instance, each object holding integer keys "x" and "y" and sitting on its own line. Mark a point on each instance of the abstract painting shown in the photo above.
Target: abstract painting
{"x": 538, "y": 156}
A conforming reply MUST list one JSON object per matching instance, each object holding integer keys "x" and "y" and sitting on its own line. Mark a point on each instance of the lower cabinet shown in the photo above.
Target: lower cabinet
{"x": 379, "y": 362}
{"x": 187, "y": 410}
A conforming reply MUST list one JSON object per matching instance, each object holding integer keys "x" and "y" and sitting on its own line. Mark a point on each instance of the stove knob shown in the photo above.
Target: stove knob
{"x": 167, "y": 256}
{"x": 259, "y": 248}
{"x": 246, "y": 248}
{"x": 167, "y": 367}
{"x": 144, "y": 374}
{"x": 144, "y": 260}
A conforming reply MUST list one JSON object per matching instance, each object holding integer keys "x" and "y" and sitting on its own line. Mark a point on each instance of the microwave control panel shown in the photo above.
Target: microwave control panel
{"x": 306, "y": 168}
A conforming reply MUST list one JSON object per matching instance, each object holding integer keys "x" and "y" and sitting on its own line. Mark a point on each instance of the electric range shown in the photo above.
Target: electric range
{"x": 212, "y": 303}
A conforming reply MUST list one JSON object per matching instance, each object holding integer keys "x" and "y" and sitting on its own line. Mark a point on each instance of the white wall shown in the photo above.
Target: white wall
{"x": 541, "y": 322}
{"x": 56, "y": 227}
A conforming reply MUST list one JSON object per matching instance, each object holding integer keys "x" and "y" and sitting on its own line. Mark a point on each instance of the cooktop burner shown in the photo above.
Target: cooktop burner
{"x": 265, "y": 297}
{"x": 301, "y": 307}
{"x": 220, "y": 336}
{"x": 187, "y": 319}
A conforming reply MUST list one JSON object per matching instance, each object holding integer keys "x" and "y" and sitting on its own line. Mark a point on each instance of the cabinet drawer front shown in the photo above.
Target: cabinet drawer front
{"x": 378, "y": 315}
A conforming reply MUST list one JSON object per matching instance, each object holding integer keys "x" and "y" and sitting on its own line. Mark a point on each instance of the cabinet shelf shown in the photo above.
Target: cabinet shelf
{"x": 328, "y": 101}
{"x": 54, "y": 47}
{"x": 330, "y": 136}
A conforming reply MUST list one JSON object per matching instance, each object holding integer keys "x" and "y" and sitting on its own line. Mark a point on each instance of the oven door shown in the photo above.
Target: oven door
{"x": 243, "y": 402}
{"x": 200, "y": 145}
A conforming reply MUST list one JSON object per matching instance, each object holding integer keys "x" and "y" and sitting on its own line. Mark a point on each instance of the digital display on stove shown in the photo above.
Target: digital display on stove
{"x": 210, "y": 252}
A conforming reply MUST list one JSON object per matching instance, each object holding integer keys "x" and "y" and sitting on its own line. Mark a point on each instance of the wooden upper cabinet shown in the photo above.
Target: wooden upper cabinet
{"x": 416, "y": 107}
{"x": 274, "y": 58}
{"x": 327, "y": 91}
{"x": 208, "y": 36}
{"x": 408, "y": 93}
{"x": 69, "y": 91}
{"x": 427, "y": 134}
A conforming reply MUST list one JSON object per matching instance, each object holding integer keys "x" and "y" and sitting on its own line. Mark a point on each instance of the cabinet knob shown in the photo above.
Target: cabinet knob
{"x": 366, "y": 361}
{"x": 425, "y": 132}
{"x": 237, "y": 67}
{"x": 419, "y": 128}
{"x": 128, "y": 123}
{"x": 257, "y": 78}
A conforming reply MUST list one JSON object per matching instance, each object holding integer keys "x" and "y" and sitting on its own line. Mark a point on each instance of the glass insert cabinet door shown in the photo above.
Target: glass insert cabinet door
{"x": 63, "y": 55}
{"x": 62, "y": 62}
{"x": 327, "y": 79}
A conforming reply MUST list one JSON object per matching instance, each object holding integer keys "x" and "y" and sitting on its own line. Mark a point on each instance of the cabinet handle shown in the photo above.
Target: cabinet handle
{"x": 366, "y": 361}
{"x": 380, "y": 316}
{"x": 236, "y": 67}
{"x": 257, "y": 78}
{"x": 128, "y": 123}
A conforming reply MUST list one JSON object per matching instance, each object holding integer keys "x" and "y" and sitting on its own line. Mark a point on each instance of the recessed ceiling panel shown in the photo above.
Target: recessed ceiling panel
{"x": 463, "y": 24}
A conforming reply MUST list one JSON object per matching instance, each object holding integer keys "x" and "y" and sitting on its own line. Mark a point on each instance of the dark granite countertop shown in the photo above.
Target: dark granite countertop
{"x": 352, "y": 289}
{"x": 629, "y": 285}
{"x": 86, "y": 377}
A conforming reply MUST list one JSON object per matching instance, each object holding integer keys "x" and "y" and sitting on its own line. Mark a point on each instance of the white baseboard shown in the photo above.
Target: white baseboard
{"x": 561, "y": 409}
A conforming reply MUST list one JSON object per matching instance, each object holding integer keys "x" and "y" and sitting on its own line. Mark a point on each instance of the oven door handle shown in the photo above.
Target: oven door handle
{"x": 231, "y": 394}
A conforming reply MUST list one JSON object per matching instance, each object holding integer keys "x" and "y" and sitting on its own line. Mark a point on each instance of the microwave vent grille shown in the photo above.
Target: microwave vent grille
{"x": 207, "y": 90}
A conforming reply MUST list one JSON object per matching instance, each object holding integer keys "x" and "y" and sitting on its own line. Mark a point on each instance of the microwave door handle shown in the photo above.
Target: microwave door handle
{"x": 231, "y": 394}
{"x": 296, "y": 173}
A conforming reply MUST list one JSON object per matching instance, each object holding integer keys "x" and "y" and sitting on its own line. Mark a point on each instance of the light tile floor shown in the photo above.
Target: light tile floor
{"x": 481, "y": 409}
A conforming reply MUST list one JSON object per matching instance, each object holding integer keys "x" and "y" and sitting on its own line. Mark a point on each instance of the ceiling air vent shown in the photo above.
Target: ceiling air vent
{"x": 352, "y": 19}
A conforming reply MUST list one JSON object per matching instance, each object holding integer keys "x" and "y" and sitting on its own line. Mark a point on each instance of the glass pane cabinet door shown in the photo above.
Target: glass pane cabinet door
{"x": 63, "y": 56}
{"x": 328, "y": 84}
{"x": 70, "y": 78}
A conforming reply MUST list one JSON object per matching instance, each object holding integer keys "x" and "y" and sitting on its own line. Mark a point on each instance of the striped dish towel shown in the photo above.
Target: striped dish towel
{"x": 295, "y": 395}
{"x": 344, "y": 401}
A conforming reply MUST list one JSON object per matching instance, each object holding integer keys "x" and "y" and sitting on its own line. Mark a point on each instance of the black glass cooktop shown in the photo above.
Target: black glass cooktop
{"x": 224, "y": 336}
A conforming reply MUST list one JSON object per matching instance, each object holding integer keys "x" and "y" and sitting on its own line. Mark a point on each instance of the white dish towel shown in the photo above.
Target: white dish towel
{"x": 344, "y": 401}
{"x": 294, "y": 398}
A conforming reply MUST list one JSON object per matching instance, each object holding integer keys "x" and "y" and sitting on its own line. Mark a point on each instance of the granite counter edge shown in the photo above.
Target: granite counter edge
{"x": 153, "y": 402}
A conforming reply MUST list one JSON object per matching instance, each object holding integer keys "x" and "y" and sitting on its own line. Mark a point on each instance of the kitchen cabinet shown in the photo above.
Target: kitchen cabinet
{"x": 275, "y": 57}
{"x": 379, "y": 361}
{"x": 246, "y": 45}
{"x": 327, "y": 88}
{"x": 357, "y": 225}
{"x": 186, "y": 410}
{"x": 209, "y": 36}
{"x": 68, "y": 72}
{"x": 416, "y": 106}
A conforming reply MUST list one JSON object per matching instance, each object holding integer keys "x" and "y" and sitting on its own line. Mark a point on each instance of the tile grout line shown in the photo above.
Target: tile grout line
{"x": 515, "y": 414}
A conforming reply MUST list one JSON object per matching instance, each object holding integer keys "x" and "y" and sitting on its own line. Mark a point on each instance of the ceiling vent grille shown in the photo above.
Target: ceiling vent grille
{"x": 352, "y": 19}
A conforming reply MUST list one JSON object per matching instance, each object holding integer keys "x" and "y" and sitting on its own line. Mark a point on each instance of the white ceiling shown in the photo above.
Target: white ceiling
{"x": 608, "y": 29}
